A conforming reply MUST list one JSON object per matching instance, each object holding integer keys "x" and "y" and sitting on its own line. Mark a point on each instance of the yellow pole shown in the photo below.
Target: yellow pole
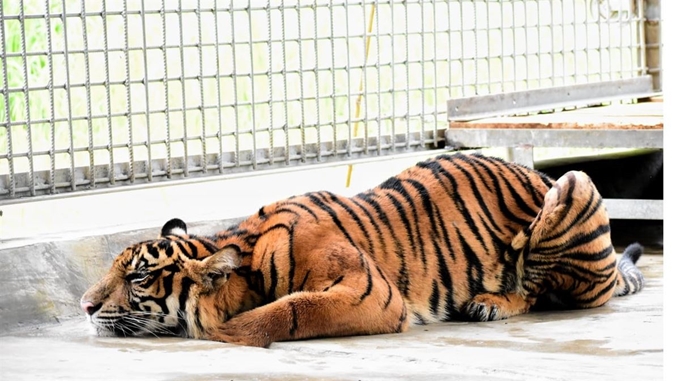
{"x": 357, "y": 108}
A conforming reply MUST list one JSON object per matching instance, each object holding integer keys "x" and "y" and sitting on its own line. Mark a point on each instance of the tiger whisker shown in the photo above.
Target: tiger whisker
{"x": 140, "y": 326}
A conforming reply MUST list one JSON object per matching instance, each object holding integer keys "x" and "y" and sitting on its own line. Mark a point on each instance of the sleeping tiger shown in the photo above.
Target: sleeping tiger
{"x": 455, "y": 237}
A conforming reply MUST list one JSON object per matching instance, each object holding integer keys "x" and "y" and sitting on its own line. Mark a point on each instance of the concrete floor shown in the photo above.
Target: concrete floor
{"x": 620, "y": 341}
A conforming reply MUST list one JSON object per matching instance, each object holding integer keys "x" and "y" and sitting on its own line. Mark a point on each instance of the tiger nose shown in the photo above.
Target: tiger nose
{"x": 88, "y": 307}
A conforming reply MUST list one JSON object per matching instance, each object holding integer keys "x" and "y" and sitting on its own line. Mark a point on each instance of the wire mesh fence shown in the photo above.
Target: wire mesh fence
{"x": 96, "y": 94}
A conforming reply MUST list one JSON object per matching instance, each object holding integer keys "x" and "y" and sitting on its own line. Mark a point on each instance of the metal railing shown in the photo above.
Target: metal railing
{"x": 99, "y": 94}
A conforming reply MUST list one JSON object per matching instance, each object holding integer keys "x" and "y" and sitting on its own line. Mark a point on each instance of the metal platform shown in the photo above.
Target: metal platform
{"x": 638, "y": 125}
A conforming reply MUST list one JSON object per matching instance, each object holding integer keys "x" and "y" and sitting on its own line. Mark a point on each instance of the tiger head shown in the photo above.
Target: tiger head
{"x": 177, "y": 284}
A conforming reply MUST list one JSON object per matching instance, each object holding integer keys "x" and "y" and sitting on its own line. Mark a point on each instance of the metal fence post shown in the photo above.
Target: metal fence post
{"x": 653, "y": 46}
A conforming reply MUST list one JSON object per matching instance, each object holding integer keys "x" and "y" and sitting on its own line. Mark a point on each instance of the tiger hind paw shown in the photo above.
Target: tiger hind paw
{"x": 492, "y": 307}
{"x": 477, "y": 311}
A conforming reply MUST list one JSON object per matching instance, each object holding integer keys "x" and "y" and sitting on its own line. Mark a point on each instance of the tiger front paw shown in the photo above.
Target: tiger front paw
{"x": 241, "y": 331}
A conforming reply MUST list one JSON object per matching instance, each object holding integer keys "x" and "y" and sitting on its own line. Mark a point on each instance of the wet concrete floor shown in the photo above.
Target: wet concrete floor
{"x": 619, "y": 341}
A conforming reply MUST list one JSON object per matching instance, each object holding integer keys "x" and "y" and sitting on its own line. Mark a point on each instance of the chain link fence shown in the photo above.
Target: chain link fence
{"x": 104, "y": 94}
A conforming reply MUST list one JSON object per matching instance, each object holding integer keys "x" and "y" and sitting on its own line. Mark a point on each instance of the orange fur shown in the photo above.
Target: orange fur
{"x": 456, "y": 237}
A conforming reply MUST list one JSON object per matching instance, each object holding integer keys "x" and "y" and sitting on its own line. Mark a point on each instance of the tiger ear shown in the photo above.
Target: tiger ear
{"x": 174, "y": 227}
{"x": 217, "y": 266}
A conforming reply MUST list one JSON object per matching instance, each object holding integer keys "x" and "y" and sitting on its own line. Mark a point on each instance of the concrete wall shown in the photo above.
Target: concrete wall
{"x": 42, "y": 282}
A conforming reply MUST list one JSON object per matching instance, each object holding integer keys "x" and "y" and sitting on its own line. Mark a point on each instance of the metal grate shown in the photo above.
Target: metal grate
{"x": 97, "y": 94}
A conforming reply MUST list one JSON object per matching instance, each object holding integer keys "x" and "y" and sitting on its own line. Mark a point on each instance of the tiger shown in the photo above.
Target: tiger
{"x": 457, "y": 237}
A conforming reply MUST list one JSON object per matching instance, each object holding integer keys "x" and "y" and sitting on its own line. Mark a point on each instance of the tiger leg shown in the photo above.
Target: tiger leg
{"x": 339, "y": 311}
{"x": 494, "y": 306}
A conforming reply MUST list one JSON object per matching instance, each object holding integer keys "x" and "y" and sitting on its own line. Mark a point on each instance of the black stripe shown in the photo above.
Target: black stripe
{"x": 183, "y": 249}
{"x": 389, "y": 288}
{"x": 437, "y": 169}
{"x": 338, "y": 223}
{"x": 251, "y": 239}
{"x": 522, "y": 173}
{"x": 395, "y": 185}
{"x": 590, "y": 256}
{"x": 197, "y": 314}
{"x": 152, "y": 250}
{"x": 402, "y": 319}
{"x": 519, "y": 200}
{"x": 374, "y": 224}
{"x": 581, "y": 217}
{"x": 194, "y": 249}
{"x": 434, "y": 299}
{"x": 281, "y": 210}
{"x": 573, "y": 241}
{"x": 494, "y": 174}
{"x": 402, "y": 280}
{"x": 254, "y": 279}
{"x": 304, "y": 281}
{"x": 291, "y": 259}
{"x": 424, "y": 196}
{"x": 577, "y": 272}
{"x": 474, "y": 270}
{"x": 476, "y": 168}
{"x": 273, "y": 277}
{"x": 291, "y": 253}
{"x": 369, "y": 285}
{"x": 598, "y": 295}
{"x": 182, "y": 329}
{"x": 209, "y": 245}
{"x": 321, "y": 195}
{"x": 404, "y": 219}
{"x": 444, "y": 272}
{"x": 428, "y": 204}
{"x": 336, "y": 281}
{"x": 160, "y": 301}
{"x": 303, "y": 207}
{"x": 294, "y": 321}
{"x": 163, "y": 244}
{"x": 184, "y": 293}
{"x": 355, "y": 218}
{"x": 318, "y": 202}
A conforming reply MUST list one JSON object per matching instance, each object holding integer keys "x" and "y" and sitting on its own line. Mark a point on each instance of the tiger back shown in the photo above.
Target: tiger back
{"x": 434, "y": 243}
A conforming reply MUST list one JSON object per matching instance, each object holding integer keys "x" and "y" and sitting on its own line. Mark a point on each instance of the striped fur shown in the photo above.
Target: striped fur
{"x": 455, "y": 237}
{"x": 568, "y": 257}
